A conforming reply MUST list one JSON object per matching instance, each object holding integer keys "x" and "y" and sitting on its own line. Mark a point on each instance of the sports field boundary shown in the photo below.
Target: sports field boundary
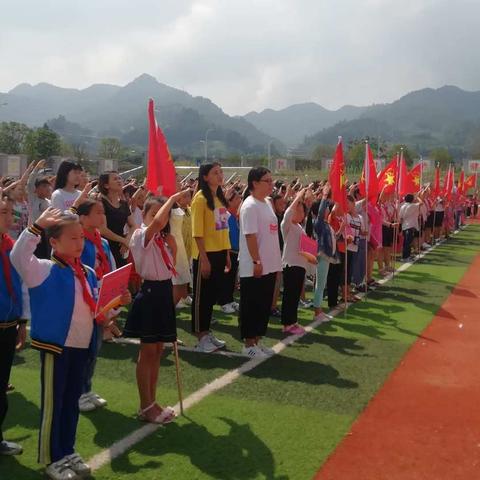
{"x": 123, "y": 445}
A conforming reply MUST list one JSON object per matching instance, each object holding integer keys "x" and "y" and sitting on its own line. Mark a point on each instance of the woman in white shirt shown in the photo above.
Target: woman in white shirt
{"x": 65, "y": 192}
{"x": 259, "y": 261}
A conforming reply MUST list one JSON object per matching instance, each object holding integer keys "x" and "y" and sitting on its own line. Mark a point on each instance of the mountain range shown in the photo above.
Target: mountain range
{"x": 424, "y": 119}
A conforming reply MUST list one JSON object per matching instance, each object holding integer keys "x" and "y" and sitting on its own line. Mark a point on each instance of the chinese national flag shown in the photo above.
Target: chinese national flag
{"x": 469, "y": 183}
{"x": 414, "y": 178}
{"x": 368, "y": 183}
{"x": 337, "y": 177}
{"x": 436, "y": 182}
{"x": 388, "y": 177}
{"x": 161, "y": 176}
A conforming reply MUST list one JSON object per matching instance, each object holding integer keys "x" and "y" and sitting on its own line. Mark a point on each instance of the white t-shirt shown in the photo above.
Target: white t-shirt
{"x": 360, "y": 209}
{"x": 409, "y": 213}
{"x": 149, "y": 263}
{"x": 354, "y": 227}
{"x": 292, "y": 233}
{"x": 63, "y": 200}
{"x": 258, "y": 218}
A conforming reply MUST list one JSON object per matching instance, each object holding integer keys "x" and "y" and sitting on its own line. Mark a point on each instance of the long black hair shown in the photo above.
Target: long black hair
{"x": 254, "y": 175}
{"x": 203, "y": 186}
{"x": 63, "y": 170}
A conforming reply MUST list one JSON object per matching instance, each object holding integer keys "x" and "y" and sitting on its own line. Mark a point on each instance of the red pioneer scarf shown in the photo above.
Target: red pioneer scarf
{"x": 82, "y": 277}
{"x": 166, "y": 258}
{"x": 103, "y": 266}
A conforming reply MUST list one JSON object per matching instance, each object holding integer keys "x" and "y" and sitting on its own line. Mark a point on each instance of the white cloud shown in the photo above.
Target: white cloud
{"x": 246, "y": 54}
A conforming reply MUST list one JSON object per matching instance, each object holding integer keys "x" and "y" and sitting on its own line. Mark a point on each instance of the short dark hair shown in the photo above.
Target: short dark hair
{"x": 409, "y": 197}
{"x": 42, "y": 181}
{"x": 86, "y": 207}
{"x": 66, "y": 220}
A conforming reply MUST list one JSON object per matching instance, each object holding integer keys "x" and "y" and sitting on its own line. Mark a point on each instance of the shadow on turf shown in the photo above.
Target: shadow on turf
{"x": 236, "y": 455}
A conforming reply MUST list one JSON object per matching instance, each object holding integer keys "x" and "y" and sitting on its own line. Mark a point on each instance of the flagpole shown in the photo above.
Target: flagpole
{"x": 395, "y": 235}
{"x": 345, "y": 286}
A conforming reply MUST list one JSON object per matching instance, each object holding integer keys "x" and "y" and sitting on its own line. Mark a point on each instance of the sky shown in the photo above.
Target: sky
{"x": 246, "y": 54}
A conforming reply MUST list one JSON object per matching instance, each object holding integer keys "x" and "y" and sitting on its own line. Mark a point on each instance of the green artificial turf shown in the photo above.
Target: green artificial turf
{"x": 280, "y": 420}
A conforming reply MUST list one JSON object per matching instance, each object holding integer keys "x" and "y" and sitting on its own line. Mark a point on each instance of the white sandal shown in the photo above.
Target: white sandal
{"x": 167, "y": 415}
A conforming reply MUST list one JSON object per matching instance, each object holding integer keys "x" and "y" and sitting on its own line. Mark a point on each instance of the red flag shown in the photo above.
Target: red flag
{"x": 403, "y": 186}
{"x": 337, "y": 177}
{"x": 160, "y": 167}
{"x": 469, "y": 183}
{"x": 414, "y": 178}
{"x": 436, "y": 182}
{"x": 388, "y": 177}
{"x": 448, "y": 183}
{"x": 461, "y": 183}
{"x": 368, "y": 185}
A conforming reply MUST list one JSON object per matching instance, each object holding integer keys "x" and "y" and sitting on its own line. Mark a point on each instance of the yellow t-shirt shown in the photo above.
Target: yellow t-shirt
{"x": 212, "y": 226}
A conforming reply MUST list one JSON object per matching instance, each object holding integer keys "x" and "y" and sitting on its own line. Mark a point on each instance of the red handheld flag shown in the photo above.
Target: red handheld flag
{"x": 403, "y": 185}
{"x": 461, "y": 183}
{"x": 161, "y": 176}
{"x": 337, "y": 177}
{"x": 448, "y": 183}
{"x": 414, "y": 178}
{"x": 469, "y": 183}
{"x": 388, "y": 177}
{"x": 368, "y": 185}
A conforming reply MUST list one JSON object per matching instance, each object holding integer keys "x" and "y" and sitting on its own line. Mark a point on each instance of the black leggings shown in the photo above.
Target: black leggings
{"x": 256, "y": 296}
{"x": 293, "y": 279}
{"x": 206, "y": 291}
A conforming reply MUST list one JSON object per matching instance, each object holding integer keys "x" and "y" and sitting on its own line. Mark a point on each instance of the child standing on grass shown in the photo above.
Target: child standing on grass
{"x": 97, "y": 255}
{"x": 63, "y": 334}
{"x": 294, "y": 264}
{"x": 152, "y": 317}
{"x": 12, "y": 328}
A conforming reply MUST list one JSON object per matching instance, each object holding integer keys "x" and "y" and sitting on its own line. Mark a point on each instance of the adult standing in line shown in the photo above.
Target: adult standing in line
{"x": 259, "y": 261}
{"x": 118, "y": 215}
{"x": 210, "y": 252}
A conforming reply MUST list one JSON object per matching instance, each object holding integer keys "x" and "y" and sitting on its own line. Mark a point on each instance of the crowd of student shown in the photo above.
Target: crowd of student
{"x": 61, "y": 235}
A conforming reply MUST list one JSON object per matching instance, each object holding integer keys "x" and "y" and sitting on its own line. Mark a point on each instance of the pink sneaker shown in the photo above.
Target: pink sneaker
{"x": 294, "y": 329}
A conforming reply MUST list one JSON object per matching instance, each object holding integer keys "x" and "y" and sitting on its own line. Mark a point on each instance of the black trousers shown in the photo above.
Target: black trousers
{"x": 206, "y": 291}
{"x": 334, "y": 279}
{"x": 293, "y": 279}
{"x": 350, "y": 257}
{"x": 8, "y": 340}
{"x": 256, "y": 296}
{"x": 226, "y": 294}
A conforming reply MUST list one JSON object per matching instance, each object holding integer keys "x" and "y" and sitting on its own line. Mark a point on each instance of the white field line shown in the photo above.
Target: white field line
{"x": 121, "y": 446}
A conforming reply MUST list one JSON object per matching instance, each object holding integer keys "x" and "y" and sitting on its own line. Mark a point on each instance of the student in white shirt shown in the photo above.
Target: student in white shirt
{"x": 65, "y": 192}
{"x": 409, "y": 213}
{"x": 259, "y": 261}
{"x": 152, "y": 316}
{"x": 294, "y": 264}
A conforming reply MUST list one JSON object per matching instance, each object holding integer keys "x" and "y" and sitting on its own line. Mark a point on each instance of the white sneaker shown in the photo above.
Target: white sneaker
{"x": 181, "y": 304}
{"x": 306, "y": 304}
{"x": 228, "y": 308}
{"x": 236, "y": 306}
{"x": 254, "y": 352}
{"x": 85, "y": 404}
{"x": 187, "y": 300}
{"x": 426, "y": 245}
{"x": 78, "y": 465}
{"x": 205, "y": 345}
{"x": 218, "y": 343}
{"x": 97, "y": 400}
{"x": 61, "y": 470}
{"x": 323, "y": 317}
